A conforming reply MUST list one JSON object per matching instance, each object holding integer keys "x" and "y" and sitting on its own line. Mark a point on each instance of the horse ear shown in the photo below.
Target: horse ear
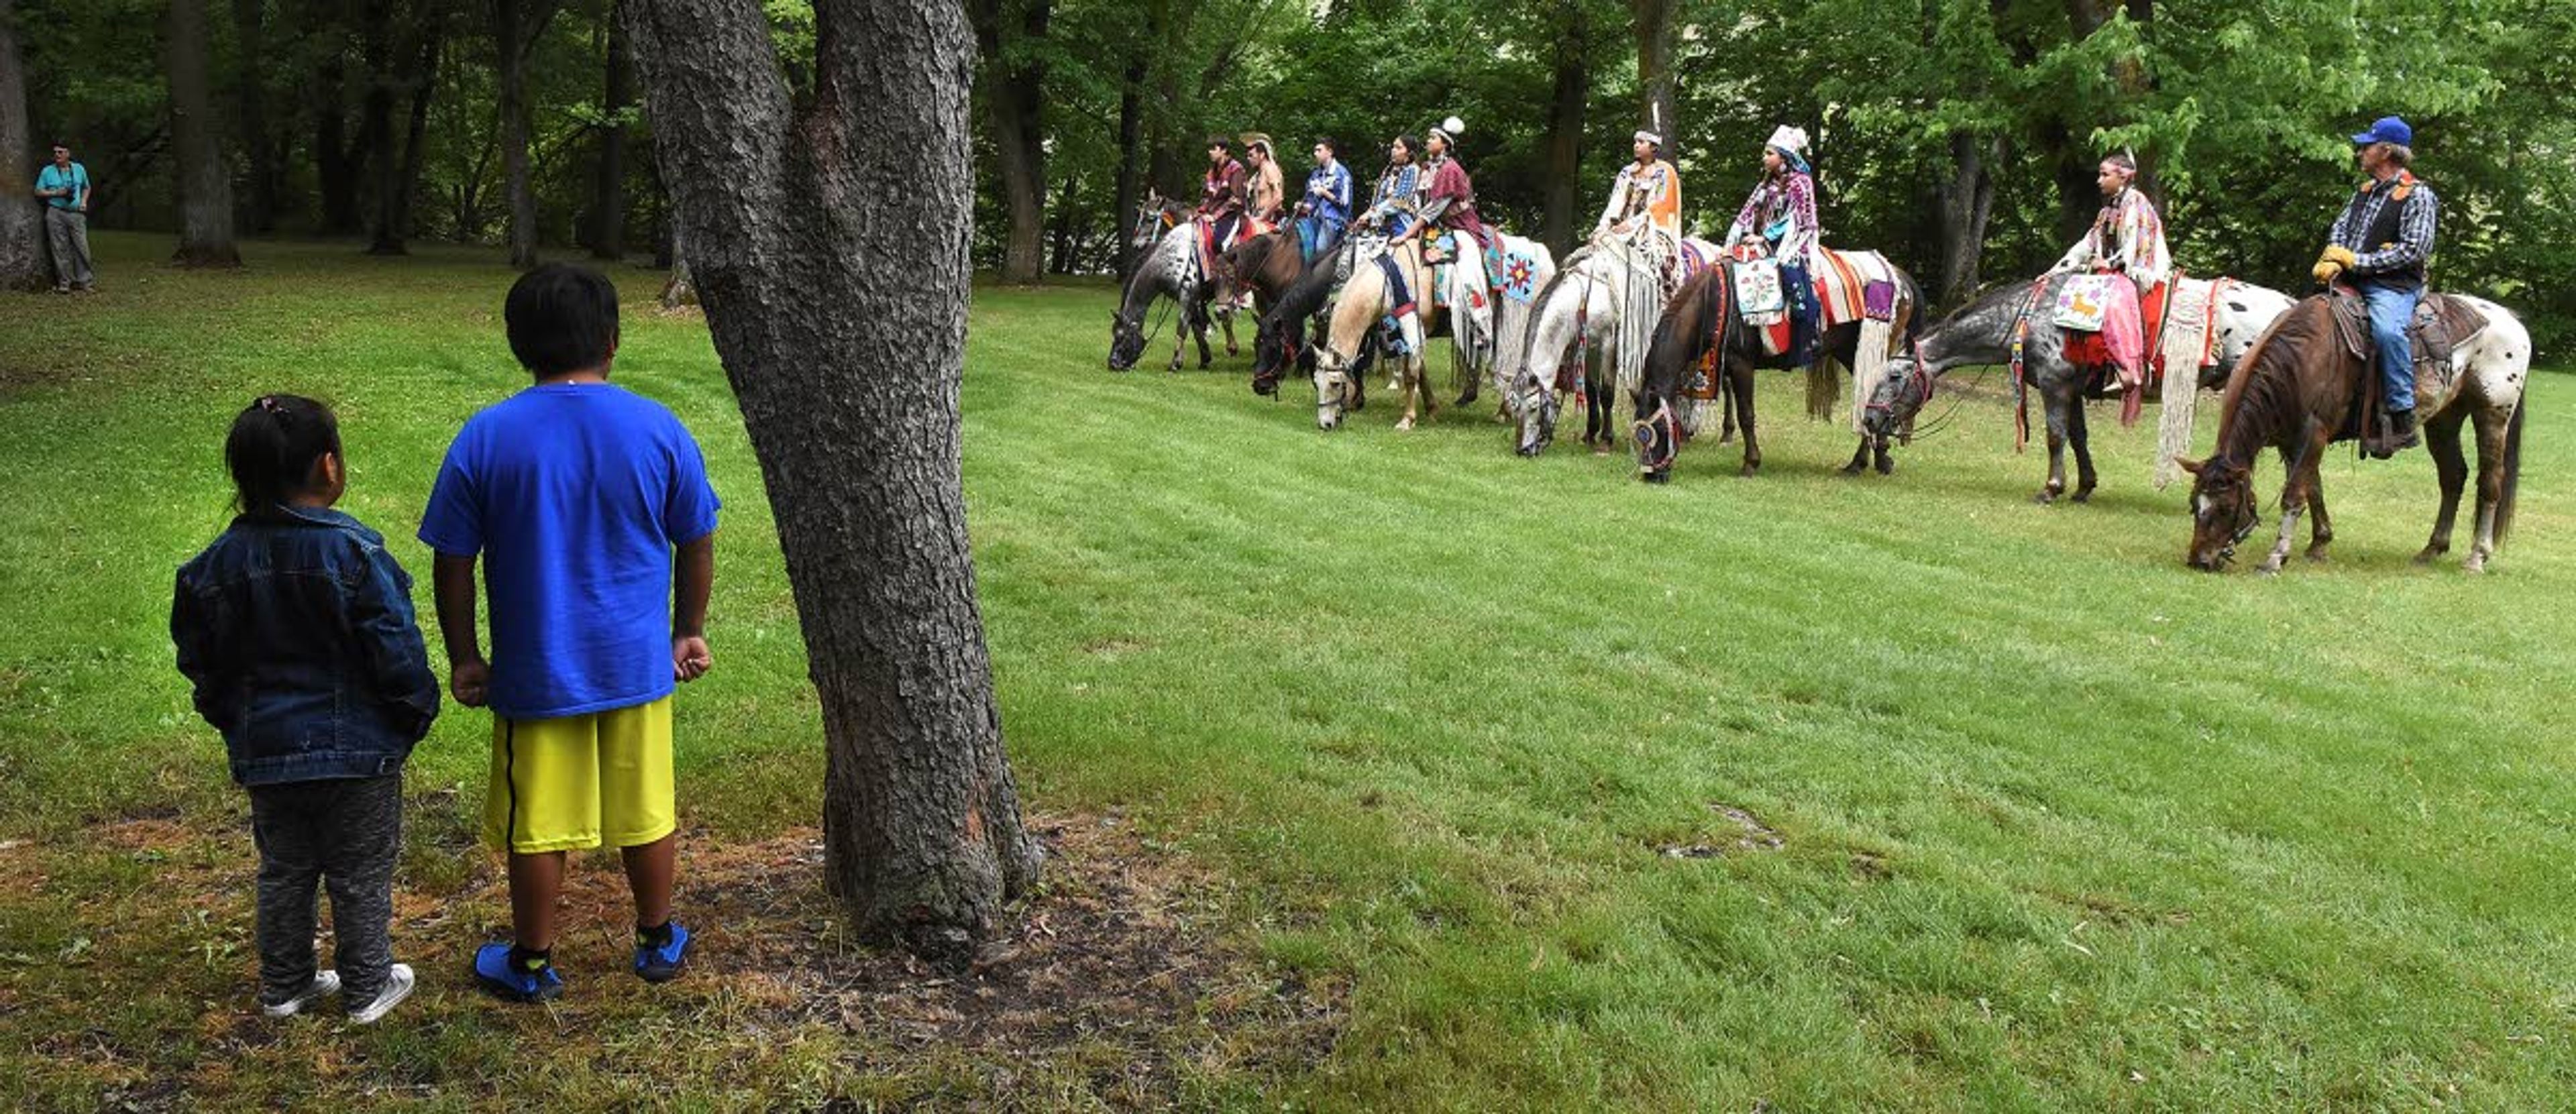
{"x": 2188, "y": 464}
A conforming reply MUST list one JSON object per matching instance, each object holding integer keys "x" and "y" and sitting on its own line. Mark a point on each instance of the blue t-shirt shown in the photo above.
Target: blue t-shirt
{"x": 76, "y": 179}
{"x": 574, "y": 495}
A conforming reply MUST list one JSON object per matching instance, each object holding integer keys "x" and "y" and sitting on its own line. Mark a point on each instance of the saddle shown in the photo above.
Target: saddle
{"x": 2441, "y": 325}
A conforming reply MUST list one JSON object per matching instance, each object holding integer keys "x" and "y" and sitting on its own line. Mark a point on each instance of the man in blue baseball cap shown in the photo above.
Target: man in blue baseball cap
{"x": 2378, "y": 247}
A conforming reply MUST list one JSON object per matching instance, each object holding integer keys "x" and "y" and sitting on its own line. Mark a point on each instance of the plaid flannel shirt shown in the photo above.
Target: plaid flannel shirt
{"x": 2414, "y": 227}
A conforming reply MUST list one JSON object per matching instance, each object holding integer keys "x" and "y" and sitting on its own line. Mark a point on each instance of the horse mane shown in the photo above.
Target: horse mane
{"x": 2263, "y": 396}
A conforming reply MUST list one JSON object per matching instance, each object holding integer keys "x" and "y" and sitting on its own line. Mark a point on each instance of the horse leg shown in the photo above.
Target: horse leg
{"x": 1408, "y": 378}
{"x": 1726, "y": 393}
{"x": 2055, "y": 408}
{"x": 2320, "y": 527}
{"x": 1860, "y": 458}
{"x": 2079, "y": 434}
{"x": 2442, "y": 439}
{"x": 2297, "y": 493}
{"x": 1226, "y": 319}
{"x": 1881, "y": 459}
{"x": 1181, "y": 333}
{"x": 2494, "y": 425}
{"x": 1740, "y": 387}
{"x": 1204, "y": 357}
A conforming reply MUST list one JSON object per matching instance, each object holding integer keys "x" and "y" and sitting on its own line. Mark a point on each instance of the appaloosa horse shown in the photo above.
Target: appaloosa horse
{"x": 1174, "y": 269}
{"x": 1980, "y": 334}
{"x": 1702, "y": 319}
{"x": 2300, "y": 390}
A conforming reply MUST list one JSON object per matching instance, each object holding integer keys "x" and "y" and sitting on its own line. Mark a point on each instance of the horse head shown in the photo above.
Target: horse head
{"x": 1658, "y": 437}
{"x": 1336, "y": 385}
{"x": 1154, "y": 214}
{"x": 1534, "y": 408}
{"x": 1126, "y": 339}
{"x": 1902, "y": 391}
{"x": 2222, "y": 511}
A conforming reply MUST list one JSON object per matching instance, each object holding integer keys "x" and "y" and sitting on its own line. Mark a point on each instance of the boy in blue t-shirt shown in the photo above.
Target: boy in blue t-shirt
{"x": 575, "y": 495}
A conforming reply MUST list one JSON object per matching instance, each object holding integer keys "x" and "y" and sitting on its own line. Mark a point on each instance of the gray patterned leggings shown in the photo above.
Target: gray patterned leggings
{"x": 344, "y": 834}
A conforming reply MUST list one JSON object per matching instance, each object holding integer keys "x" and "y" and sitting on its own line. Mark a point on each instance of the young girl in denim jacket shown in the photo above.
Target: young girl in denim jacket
{"x": 296, "y": 628}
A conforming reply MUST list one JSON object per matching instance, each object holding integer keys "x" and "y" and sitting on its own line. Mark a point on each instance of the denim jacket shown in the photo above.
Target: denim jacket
{"x": 296, "y": 627}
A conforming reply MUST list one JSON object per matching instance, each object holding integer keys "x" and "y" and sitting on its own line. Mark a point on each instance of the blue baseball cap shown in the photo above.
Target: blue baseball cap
{"x": 2388, "y": 129}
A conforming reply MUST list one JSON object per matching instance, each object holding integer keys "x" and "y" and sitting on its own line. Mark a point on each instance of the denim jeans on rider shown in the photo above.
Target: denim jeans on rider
{"x": 2392, "y": 306}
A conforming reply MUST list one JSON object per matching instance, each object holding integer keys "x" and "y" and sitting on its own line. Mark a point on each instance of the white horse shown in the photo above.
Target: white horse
{"x": 1604, "y": 300}
{"x": 1174, "y": 269}
{"x": 1366, "y": 300}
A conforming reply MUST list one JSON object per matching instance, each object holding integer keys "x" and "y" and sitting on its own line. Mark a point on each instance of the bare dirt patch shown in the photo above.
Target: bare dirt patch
{"x": 1737, "y": 832}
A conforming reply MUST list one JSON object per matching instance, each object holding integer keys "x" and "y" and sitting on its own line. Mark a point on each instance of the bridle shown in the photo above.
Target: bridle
{"x": 1657, "y": 440}
{"x": 2247, "y": 517}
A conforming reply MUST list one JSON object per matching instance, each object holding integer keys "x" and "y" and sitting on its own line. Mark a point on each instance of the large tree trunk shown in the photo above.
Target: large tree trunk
{"x": 1131, "y": 125}
{"x": 1010, "y": 34}
{"x": 515, "y": 27}
{"x": 250, "y": 33}
{"x": 205, "y": 183}
{"x": 336, "y": 164}
{"x": 830, "y": 248}
{"x": 1967, "y": 199}
{"x": 398, "y": 181}
{"x": 1654, "y": 24}
{"x": 22, "y": 259}
{"x": 608, "y": 195}
{"x": 376, "y": 116}
{"x": 1565, "y": 134}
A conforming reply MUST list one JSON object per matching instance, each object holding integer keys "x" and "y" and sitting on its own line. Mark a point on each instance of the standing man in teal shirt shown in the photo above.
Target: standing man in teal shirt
{"x": 64, "y": 185}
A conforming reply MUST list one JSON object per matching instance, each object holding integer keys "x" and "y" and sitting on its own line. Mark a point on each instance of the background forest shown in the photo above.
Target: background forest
{"x": 1957, "y": 135}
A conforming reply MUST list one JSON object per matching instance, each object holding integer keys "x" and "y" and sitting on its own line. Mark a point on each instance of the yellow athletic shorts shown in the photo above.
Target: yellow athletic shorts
{"x": 578, "y": 781}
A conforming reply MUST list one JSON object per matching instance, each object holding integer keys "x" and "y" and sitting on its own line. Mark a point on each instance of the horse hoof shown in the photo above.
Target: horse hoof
{"x": 2316, "y": 555}
{"x": 1656, "y": 477}
{"x": 1404, "y": 426}
{"x": 2269, "y": 568}
{"x": 2429, "y": 554}
{"x": 1886, "y": 467}
{"x": 1851, "y": 469}
{"x": 2477, "y": 563}
{"x": 2045, "y": 497}
{"x": 2082, "y": 495}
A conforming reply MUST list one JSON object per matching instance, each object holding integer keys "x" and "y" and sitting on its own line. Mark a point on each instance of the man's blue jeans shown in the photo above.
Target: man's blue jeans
{"x": 2391, "y": 308}
{"x": 1314, "y": 234}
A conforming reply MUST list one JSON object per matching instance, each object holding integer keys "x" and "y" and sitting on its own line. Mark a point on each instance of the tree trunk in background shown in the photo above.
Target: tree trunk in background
{"x": 608, "y": 196}
{"x": 844, "y": 336}
{"x": 1654, "y": 24}
{"x": 336, "y": 164}
{"x": 677, "y": 290}
{"x": 22, "y": 258}
{"x": 376, "y": 117}
{"x": 1131, "y": 128}
{"x": 250, "y": 94}
{"x": 1010, "y": 33}
{"x": 1967, "y": 199}
{"x": 1565, "y": 135}
{"x": 398, "y": 182}
{"x": 205, "y": 182}
{"x": 515, "y": 27}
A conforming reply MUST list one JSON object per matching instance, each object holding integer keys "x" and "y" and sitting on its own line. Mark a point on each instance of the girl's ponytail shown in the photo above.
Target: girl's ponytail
{"x": 273, "y": 446}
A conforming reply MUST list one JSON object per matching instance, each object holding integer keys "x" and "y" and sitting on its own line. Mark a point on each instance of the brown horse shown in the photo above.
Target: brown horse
{"x": 2297, "y": 391}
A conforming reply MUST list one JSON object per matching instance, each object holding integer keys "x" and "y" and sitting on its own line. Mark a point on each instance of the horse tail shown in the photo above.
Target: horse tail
{"x": 2512, "y": 470}
{"x": 1824, "y": 388}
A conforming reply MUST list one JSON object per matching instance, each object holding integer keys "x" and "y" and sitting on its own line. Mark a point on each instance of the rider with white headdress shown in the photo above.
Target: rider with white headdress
{"x": 1646, "y": 201}
{"x": 1449, "y": 204}
{"x": 1779, "y": 221}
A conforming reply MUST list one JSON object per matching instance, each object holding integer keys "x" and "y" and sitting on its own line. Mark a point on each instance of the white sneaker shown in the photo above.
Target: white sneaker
{"x": 324, "y": 983}
{"x": 398, "y": 984}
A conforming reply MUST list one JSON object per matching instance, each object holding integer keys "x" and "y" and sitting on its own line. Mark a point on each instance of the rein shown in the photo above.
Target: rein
{"x": 2021, "y": 384}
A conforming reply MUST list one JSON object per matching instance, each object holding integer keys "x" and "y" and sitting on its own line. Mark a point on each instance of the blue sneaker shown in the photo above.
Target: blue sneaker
{"x": 662, "y": 964}
{"x": 493, "y": 969}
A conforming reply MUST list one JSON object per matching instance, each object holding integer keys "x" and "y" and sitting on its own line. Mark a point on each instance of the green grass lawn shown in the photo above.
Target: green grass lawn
{"x": 2060, "y": 824}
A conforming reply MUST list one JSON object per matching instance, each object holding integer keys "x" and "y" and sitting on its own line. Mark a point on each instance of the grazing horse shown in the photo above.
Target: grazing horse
{"x": 1367, "y": 299}
{"x": 1980, "y": 334}
{"x": 1701, "y": 324}
{"x": 1600, "y": 310}
{"x": 1173, "y": 269}
{"x": 2298, "y": 391}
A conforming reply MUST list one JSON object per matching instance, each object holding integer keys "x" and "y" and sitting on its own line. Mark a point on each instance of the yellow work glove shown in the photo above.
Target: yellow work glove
{"x": 2333, "y": 262}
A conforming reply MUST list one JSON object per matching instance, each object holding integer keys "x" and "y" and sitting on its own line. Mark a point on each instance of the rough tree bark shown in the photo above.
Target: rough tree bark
{"x": 376, "y": 113}
{"x": 1654, "y": 24}
{"x": 398, "y": 173}
{"x": 608, "y": 193}
{"x": 515, "y": 27}
{"x": 205, "y": 182}
{"x": 829, "y": 243}
{"x": 1565, "y": 132}
{"x": 1131, "y": 133}
{"x": 22, "y": 259}
{"x": 1967, "y": 199}
{"x": 336, "y": 162}
{"x": 1006, "y": 32}
{"x": 250, "y": 31}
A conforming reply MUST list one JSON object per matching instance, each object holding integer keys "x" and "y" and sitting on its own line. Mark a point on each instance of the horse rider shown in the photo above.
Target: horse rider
{"x": 1326, "y": 208}
{"x": 2127, "y": 238}
{"x": 1779, "y": 221}
{"x": 1395, "y": 202}
{"x": 1449, "y": 203}
{"x": 1268, "y": 192}
{"x": 1222, "y": 193}
{"x": 2378, "y": 246}
{"x": 1646, "y": 198}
